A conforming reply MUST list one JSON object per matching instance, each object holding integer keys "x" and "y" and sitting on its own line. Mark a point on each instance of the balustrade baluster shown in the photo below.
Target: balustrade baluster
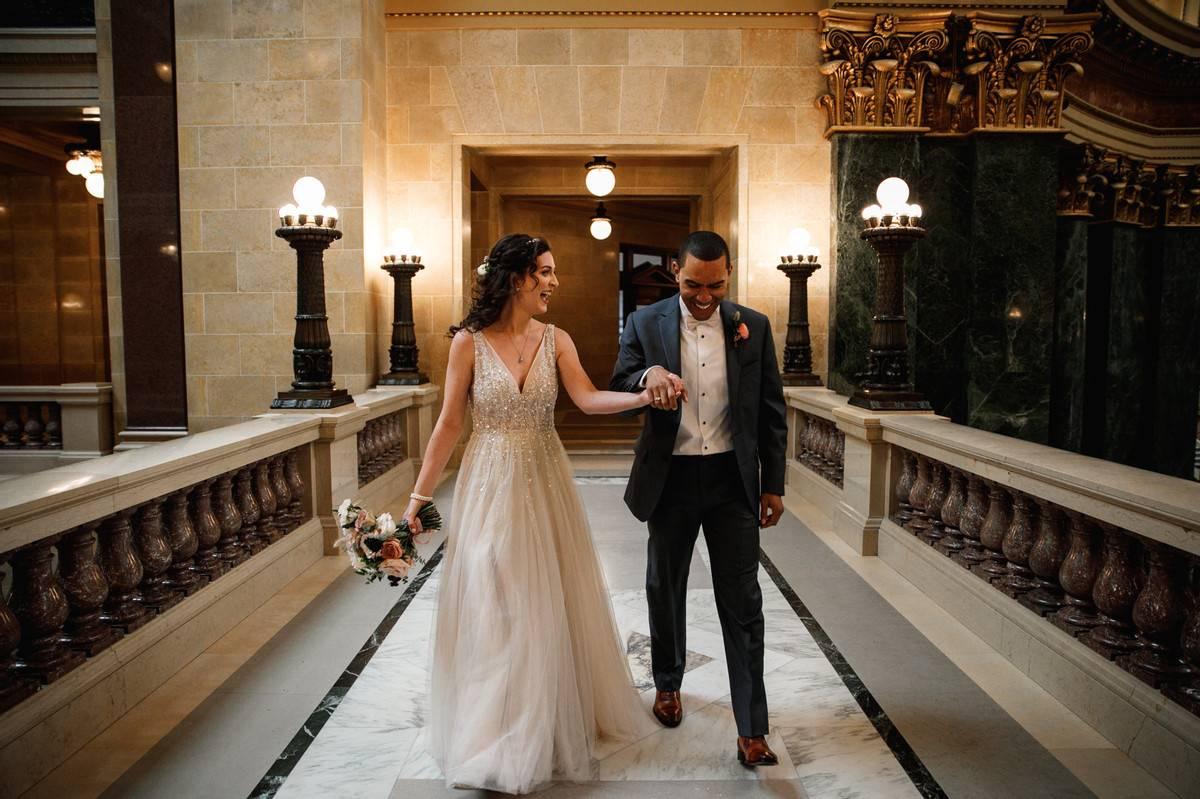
{"x": 53, "y": 432}
{"x": 41, "y": 606}
{"x": 155, "y": 553}
{"x": 920, "y": 491}
{"x": 1158, "y": 614}
{"x": 267, "y": 502}
{"x": 991, "y": 534}
{"x": 971, "y": 523}
{"x": 232, "y": 551}
{"x": 123, "y": 570}
{"x": 1045, "y": 558}
{"x": 904, "y": 486}
{"x": 283, "y": 496}
{"x": 951, "y": 513}
{"x": 839, "y": 458}
{"x": 208, "y": 532}
{"x": 12, "y": 430}
{"x": 33, "y": 428}
{"x": 13, "y": 687}
{"x": 247, "y": 504}
{"x": 86, "y": 588}
{"x": 1187, "y": 693}
{"x": 296, "y": 485}
{"x": 939, "y": 489}
{"x": 183, "y": 576}
{"x": 1114, "y": 593}
{"x": 1077, "y": 576}
{"x": 1017, "y": 544}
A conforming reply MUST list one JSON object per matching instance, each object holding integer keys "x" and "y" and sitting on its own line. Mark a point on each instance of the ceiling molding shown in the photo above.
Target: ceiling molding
{"x": 1087, "y": 124}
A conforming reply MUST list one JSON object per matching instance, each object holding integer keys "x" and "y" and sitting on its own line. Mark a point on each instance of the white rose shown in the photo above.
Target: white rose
{"x": 385, "y": 526}
{"x": 343, "y": 512}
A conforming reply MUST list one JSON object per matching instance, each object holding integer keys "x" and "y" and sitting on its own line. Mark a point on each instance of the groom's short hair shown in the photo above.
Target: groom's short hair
{"x": 705, "y": 246}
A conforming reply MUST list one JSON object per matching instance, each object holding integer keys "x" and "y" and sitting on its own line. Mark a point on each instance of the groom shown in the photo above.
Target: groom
{"x": 717, "y": 423}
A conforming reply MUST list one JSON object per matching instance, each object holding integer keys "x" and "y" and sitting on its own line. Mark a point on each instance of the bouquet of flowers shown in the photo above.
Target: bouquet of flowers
{"x": 377, "y": 546}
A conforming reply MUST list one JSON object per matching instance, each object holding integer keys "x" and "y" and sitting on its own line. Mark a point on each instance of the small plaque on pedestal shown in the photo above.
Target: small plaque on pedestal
{"x": 318, "y": 400}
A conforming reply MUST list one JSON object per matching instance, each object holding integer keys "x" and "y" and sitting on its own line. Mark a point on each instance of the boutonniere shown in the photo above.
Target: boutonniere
{"x": 740, "y": 331}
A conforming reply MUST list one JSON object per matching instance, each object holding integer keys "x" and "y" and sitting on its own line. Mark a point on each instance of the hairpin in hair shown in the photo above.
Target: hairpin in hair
{"x": 482, "y": 269}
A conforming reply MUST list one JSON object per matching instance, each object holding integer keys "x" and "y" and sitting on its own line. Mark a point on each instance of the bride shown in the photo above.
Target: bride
{"x": 527, "y": 668}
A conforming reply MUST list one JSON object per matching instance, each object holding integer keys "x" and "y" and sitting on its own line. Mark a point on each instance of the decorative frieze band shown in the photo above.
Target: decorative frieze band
{"x": 940, "y": 72}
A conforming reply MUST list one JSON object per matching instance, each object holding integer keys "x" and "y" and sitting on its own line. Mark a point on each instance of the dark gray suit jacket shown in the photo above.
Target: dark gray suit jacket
{"x": 758, "y": 415}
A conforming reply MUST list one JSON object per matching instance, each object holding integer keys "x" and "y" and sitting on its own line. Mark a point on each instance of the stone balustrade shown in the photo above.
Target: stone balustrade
{"x": 117, "y": 571}
{"x": 42, "y": 427}
{"x": 1084, "y": 573}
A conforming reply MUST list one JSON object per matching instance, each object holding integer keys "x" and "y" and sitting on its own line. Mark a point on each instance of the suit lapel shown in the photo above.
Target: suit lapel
{"x": 733, "y": 369}
{"x": 668, "y": 329}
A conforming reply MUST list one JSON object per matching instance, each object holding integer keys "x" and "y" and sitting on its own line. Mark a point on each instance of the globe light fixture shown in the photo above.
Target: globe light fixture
{"x": 310, "y": 227}
{"x": 601, "y": 176}
{"x": 94, "y": 183}
{"x": 891, "y": 228}
{"x": 798, "y": 262}
{"x": 601, "y": 227}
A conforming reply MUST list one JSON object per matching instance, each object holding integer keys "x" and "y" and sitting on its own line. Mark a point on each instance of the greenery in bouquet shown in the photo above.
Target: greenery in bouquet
{"x": 377, "y": 546}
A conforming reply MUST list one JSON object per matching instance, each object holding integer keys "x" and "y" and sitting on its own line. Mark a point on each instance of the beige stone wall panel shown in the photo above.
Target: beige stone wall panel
{"x": 516, "y": 92}
{"x": 724, "y": 97}
{"x": 683, "y": 99}
{"x": 489, "y": 47}
{"x": 599, "y": 46}
{"x": 433, "y": 48}
{"x": 269, "y": 102}
{"x": 233, "y": 145}
{"x": 558, "y": 96}
{"x": 309, "y": 144}
{"x": 641, "y": 98}
{"x": 225, "y": 61}
{"x": 600, "y": 99}
{"x": 305, "y": 59}
{"x": 545, "y": 46}
{"x": 268, "y": 19}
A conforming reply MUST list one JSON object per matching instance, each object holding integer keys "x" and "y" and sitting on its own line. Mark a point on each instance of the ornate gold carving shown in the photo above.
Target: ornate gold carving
{"x": 1180, "y": 191}
{"x": 949, "y": 74}
{"x": 1016, "y": 68}
{"x": 1081, "y": 183}
{"x": 878, "y": 66}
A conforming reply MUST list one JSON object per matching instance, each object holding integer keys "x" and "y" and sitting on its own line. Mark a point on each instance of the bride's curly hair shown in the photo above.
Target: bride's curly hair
{"x": 512, "y": 258}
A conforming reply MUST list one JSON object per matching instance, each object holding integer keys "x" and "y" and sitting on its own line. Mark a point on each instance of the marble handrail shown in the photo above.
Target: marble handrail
{"x": 1164, "y": 509}
{"x": 37, "y": 505}
{"x": 815, "y": 401}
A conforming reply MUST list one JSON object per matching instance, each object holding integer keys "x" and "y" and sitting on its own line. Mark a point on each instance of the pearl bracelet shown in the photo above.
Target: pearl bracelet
{"x": 417, "y": 496}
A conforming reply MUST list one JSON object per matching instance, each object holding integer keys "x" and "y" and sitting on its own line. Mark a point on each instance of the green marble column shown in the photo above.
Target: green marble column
{"x": 1011, "y": 300}
{"x": 1176, "y": 340}
{"x": 937, "y": 275}
{"x": 860, "y": 162}
{"x": 1067, "y": 389}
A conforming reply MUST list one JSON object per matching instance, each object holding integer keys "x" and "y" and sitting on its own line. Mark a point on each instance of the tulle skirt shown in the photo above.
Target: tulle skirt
{"x": 527, "y": 670}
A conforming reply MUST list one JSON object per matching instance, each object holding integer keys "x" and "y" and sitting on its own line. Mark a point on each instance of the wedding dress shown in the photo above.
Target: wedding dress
{"x": 527, "y": 667}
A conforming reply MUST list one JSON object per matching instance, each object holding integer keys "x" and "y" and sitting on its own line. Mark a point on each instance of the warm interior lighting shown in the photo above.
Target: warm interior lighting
{"x": 94, "y": 183}
{"x": 601, "y": 227}
{"x": 601, "y": 177}
{"x": 309, "y": 194}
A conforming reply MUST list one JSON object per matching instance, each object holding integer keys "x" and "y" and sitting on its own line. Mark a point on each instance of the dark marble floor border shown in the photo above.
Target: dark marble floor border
{"x": 273, "y": 780}
{"x": 908, "y": 759}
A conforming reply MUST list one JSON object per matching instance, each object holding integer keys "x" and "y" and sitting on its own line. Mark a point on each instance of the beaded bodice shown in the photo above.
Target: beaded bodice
{"x": 498, "y": 406}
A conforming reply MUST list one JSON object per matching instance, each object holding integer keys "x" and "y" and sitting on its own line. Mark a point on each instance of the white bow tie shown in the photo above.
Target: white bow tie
{"x": 691, "y": 322}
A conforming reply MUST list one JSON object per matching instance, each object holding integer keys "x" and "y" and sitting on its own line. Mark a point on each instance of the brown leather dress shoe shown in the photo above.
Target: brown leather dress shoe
{"x": 668, "y": 709}
{"x": 753, "y": 752}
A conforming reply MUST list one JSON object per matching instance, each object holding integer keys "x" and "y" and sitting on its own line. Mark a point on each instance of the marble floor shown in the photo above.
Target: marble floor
{"x": 374, "y": 737}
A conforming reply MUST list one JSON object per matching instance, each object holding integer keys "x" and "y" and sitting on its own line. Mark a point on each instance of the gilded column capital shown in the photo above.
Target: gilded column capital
{"x": 1130, "y": 190}
{"x": 1179, "y": 188}
{"x": 1015, "y": 68}
{"x": 1081, "y": 181}
{"x": 878, "y": 67}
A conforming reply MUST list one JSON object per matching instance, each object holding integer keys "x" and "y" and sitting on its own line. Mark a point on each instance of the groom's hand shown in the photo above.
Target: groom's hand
{"x": 770, "y": 508}
{"x": 666, "y": 389}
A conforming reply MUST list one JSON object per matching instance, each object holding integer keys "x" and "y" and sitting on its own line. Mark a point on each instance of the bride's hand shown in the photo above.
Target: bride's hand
{"x": 410, "y": 516}
{"x": 646, "y": 397}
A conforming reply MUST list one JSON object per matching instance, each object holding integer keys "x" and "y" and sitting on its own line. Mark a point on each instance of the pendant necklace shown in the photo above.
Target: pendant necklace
{"x": 524, "y": 343}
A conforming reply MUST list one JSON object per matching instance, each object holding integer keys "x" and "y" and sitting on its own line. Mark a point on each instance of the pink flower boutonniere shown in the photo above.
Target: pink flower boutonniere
{"x": 740, "y": 331}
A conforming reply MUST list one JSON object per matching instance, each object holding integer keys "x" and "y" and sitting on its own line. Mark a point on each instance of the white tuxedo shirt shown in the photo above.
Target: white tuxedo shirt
{"x": 704, "y": 424}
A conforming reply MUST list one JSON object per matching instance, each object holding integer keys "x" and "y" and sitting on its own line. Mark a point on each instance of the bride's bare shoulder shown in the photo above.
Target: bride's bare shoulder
{"x": 462, "y": 346}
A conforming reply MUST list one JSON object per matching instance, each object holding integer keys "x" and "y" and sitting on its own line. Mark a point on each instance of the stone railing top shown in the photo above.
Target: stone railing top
{"x": 64, "y": 394}
{"x": 1157, "y": 506}
{"x": 37, "y": 505}
{"x": 817, "y": 400}
{"x": 382, "y": 400}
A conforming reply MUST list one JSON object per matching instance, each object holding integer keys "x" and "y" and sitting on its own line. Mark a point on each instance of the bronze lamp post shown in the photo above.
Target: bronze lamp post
{"x": 798, "y": 264}
{"x": 402, "y": 264}
{"x": 310, "y": 227}
{"x": 892, "y": 227}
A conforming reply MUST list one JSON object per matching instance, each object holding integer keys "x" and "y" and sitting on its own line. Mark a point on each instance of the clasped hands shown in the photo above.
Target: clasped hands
{"x": 665, "y": 389}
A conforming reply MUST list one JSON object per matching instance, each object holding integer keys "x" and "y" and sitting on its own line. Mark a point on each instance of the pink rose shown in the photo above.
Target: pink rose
{"x": 362, "y": 520}
{"x": 391, "y": 550}
{"x": 743, "y": 332}
{"x": 397, "y": 568}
